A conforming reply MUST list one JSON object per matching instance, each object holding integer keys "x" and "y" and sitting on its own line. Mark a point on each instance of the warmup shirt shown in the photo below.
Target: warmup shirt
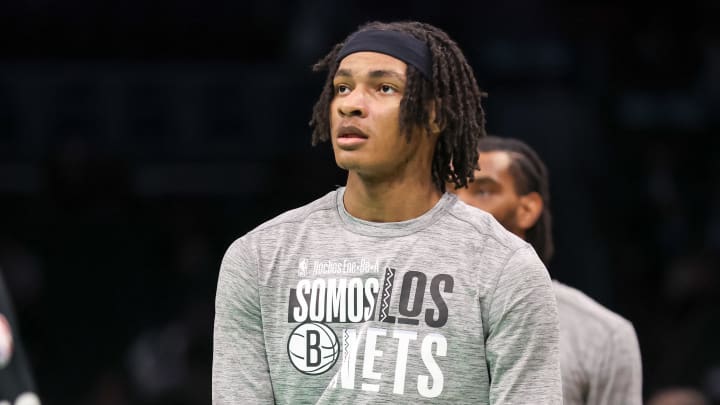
{"x": 599, "y": 352}
{"x": 16, "y": 382}
{"x": 319, "y": 307}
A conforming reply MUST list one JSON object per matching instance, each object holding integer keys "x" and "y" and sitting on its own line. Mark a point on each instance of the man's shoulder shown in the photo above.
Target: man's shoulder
{"x": 473, "y": 221}
{"x": 300, "y": 214}
{"x": 596, "y": 344}
{"x": 577, "y": 308}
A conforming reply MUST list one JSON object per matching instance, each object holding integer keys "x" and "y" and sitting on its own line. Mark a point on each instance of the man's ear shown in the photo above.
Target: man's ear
{"x": 529, "y": 210}
{"x": 435, "y": 126}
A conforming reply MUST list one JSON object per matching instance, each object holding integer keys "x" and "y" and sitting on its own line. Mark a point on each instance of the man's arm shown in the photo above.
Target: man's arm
{"x": 522, "y": 344}
{"x": 240, "y": 368}
{"x": 619, "y": 379}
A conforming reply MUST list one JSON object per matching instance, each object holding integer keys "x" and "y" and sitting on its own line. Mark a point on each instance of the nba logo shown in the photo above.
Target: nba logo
{"x": 302, "y": 268}
{"x": 313, "y": 348}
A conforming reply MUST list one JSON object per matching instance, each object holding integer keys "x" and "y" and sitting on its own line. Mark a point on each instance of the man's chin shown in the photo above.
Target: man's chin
{"x": 346, "y": 165}
{"x": 348, "y": 160}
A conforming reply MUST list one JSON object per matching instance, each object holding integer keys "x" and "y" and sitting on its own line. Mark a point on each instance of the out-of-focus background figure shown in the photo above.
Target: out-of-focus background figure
{"x": 138, "y": 139}
{"x": 599, "y": 353}
{"x": 17, "y": 385}
{"x": 678, "y": 396}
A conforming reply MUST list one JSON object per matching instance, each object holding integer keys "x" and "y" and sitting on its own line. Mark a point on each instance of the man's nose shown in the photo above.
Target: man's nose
{"x": 353, "y": 104}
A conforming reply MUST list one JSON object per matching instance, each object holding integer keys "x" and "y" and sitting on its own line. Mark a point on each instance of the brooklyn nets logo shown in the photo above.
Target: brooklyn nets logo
{"x": 313, "y": 348}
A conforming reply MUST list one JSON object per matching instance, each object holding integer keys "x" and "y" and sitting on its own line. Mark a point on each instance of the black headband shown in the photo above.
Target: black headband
{"x": 394, "y": 43}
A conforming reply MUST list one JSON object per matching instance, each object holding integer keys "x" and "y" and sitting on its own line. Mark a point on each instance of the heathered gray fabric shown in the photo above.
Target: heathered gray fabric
{"x": 486, "y": 326}
{"x": 599, "y": 352}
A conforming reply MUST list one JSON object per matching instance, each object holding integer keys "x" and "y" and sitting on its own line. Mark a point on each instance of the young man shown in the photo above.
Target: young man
{"x": 599, "y": 353}
{"x": 388, "y": 290}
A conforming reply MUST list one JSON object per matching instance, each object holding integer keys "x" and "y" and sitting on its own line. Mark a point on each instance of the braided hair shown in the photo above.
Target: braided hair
{"x": 453, "y": 90}
{"x": 530, "y": 175}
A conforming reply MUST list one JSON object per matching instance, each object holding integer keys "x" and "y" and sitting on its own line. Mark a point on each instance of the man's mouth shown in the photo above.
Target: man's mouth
{"x": 351, "y": 132}
{"x": 351, "y": 138}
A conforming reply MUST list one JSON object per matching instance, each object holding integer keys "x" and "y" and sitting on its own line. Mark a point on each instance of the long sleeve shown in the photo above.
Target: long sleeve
{"x": 619, "y": 377}
{"x": 523, "y": 337}
{"x": 240, "y": 369}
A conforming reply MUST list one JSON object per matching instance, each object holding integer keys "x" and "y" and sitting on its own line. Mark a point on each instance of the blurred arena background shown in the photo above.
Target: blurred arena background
{"x": 138, "y": 139}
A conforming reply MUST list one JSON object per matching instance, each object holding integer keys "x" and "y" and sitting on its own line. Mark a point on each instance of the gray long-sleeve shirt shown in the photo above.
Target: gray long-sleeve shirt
{"x": 316, "y": 307}
{"x": 599, "y": 352}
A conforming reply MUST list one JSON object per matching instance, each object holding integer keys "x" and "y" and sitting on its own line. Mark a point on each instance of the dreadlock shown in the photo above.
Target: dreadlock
{"x": 530, "y": 175}
{"x": 453, "y": 89}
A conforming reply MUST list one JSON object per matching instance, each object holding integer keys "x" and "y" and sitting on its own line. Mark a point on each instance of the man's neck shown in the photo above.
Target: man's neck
{"x": 389, "y": 200}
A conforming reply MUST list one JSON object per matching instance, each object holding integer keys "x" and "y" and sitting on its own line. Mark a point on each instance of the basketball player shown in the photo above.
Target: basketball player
{"x": 388, "y": 290}
{"x": 16, "y": 382}
{"x": 599, "y": 353}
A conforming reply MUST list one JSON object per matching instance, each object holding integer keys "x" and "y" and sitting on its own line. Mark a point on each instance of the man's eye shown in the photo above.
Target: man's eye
{"x": 387, "y": 89}
{"x": 483, "y": 193}
{"x": 342, "y": 89}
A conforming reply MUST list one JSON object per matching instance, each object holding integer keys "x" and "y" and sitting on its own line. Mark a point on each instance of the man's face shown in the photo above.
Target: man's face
{"x": 493, "y": 190}
{"x": 365, "y": 117}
